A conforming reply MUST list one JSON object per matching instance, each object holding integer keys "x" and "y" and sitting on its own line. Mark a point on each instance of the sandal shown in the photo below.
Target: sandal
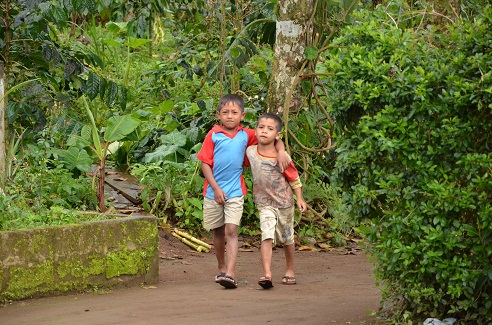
{"x": 289, "y": 280}
{"x": 265, "y": 283}
{"x": 228, "y": 282}
{"x": 218, "y": 276}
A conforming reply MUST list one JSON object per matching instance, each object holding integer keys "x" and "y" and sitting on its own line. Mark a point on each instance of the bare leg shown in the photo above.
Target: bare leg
{"x": 289, "y": 259}
{"x": 266, "y": 257}
{"x": 219, "y": 247}
{"x": 231, "y": 248}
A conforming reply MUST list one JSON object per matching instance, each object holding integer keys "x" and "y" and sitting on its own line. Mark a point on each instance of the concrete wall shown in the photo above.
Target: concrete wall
{"x": 92, "y": 255}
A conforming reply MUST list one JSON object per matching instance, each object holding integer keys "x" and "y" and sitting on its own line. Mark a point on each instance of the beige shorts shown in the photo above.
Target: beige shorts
{"x": 216, "y": 215}
{"x": 277, "y": 224}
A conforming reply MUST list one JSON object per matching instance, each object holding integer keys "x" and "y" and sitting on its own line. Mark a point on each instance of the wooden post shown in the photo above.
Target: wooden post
{"x": 3, "y": 136}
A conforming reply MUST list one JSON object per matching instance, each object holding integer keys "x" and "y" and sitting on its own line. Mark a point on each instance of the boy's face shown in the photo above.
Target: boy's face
{"x": 266, "y": 131}
{"x": 230, "y": 116}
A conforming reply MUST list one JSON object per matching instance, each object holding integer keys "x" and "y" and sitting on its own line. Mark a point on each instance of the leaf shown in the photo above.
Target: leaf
{"x": 70, "y": 68}
{"x": 234, "y": 52}
{"x": 75, "y": 158}
{"x": 111, "y": 42}
{"x": 86, "y": 133}
{"x": 248, "y": 45}
{"x": 102, "y": 87}
{"x": 166, "y": 106}
{"x": 92, "y": 85}
{"x": 311, "y": 52}
{"x": 122, "y": 97}
{"x": 241, "y": 50}
{"x": 161, "y": 153}
{"x": 137, "y": 42}
{"x": 58, "y": 16}
{"x": 95, "y": 132}
{"x": 117, "y": 28}
{"x": 78, "y": 141}
{"x": 112, "y": 91}
{"x": 176, "y": 138}
{"x": 306, "y": 87}
{"x": 46, "y": 52}
{"x": 120, "y": 126}
{"x": 325, "y": 246}
{"x": 196, "y": 202}
{"x": 307, "y": 248}
{"x": 91, "y": 6}
{"x": 68, "y": 5}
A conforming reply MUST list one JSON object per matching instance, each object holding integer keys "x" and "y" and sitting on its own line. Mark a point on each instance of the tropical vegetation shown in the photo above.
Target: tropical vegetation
{"x": 390, "y": 126}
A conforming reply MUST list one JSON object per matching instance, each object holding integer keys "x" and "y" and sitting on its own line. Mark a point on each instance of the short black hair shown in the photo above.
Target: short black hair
{"x": 274, "y": 117}
{"x": 231, "y": 98}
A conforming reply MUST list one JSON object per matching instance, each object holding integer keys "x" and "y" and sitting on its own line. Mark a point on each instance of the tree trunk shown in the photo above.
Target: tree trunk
{"x": 3, "y": 151}
{"x": 100, "y": 185}
{"x": 293, "y": 34}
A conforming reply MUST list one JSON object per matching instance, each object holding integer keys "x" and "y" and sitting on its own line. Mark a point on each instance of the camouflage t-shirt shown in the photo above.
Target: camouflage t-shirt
{"x": 271, "y": 187}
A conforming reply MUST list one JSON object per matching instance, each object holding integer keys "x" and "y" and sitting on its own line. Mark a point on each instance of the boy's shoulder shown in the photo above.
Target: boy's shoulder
{"x": 251, "y": 149}
{"x": 216, "y": 129}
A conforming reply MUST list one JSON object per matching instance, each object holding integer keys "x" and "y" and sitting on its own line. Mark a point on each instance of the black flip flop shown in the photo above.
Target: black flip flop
{"x": 218, "y": 276}
{"x": 228, "y": 282}
{"x": 265, "y": 283}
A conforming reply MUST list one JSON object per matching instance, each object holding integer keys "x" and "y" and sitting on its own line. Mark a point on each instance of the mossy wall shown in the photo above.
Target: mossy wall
{"x": 98, "y": 254}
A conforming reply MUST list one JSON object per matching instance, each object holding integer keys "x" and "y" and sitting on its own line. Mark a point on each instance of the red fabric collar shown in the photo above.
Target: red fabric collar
{"x": 218, "y": 129}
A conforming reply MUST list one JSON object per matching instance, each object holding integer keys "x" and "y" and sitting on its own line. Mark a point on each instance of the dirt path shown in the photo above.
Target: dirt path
{"x": 332, "y": 289}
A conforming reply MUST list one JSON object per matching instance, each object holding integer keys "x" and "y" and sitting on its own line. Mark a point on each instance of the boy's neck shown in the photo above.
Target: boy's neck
{"x": 229, "y": 131}
{"x": 268, "y": 150}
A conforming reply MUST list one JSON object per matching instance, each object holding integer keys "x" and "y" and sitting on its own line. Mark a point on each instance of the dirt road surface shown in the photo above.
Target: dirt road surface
{"x": 333, "y": 287}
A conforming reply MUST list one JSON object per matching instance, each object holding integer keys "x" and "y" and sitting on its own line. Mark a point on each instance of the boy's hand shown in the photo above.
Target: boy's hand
{"x": 220, "y": 197}
{"x": 301, "y": 205}
{"x": 282, "y": 160}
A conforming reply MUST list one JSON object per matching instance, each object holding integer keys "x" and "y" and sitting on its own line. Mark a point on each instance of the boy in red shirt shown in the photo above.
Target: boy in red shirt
{"x": 222, "y": 156}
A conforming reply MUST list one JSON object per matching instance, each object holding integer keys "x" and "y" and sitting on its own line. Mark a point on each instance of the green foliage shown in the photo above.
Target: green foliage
{"x": 173, "y": 192}
{"x": 413, "y": 112}
{"x": 41, "y": 191}
{"x": 118, "y": 128}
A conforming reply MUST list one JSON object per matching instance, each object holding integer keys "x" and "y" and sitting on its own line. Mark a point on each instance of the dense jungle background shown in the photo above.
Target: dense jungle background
{"x": 387, "y": 106}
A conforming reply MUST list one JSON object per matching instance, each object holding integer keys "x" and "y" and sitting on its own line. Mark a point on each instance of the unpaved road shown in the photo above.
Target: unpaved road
{"x": 333, "y": 288}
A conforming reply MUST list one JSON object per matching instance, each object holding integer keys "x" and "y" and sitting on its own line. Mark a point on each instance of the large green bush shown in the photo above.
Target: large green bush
{"x": 413, "y": 107}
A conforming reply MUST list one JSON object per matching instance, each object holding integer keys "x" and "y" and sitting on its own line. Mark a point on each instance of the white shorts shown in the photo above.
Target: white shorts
{"x": 216, "y": 215}
{"x": 277, "y": 224}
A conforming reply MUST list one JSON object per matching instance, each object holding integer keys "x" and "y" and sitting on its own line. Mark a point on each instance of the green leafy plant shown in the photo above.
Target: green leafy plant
{"x": 118, "y": 128}
{"x": 173, "y": 191}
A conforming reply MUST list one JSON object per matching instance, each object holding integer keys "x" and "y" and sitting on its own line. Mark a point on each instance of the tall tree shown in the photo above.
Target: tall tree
{"x": 293, "y": 34}
{"x": 304, "y": 30}
{"x": 2, "y": 127}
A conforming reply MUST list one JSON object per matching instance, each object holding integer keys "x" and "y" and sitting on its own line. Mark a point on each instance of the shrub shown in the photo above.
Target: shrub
{"x": 413, "y": 111}
{"x": 40, "y": 192}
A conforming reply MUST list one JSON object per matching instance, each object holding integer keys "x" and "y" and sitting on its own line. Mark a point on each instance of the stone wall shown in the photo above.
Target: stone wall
{"x": 93, "y": 255}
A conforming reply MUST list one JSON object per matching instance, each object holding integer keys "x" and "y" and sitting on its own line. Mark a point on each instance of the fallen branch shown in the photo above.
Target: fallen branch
{"x": 197, "y": 247}
{"x": 193, "y": 239}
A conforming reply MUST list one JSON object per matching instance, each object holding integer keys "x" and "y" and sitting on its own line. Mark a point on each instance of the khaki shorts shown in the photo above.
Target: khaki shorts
{"x": 216, "y": 215}
{"x": 277, "y": 224}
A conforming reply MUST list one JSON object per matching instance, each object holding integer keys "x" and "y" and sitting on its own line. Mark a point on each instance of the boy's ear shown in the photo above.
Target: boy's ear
{"x": 277, "y": 137}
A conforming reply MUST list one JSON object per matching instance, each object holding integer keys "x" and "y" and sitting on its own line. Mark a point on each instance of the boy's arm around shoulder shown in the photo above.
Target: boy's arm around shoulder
{"x": 283, "y": 159}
